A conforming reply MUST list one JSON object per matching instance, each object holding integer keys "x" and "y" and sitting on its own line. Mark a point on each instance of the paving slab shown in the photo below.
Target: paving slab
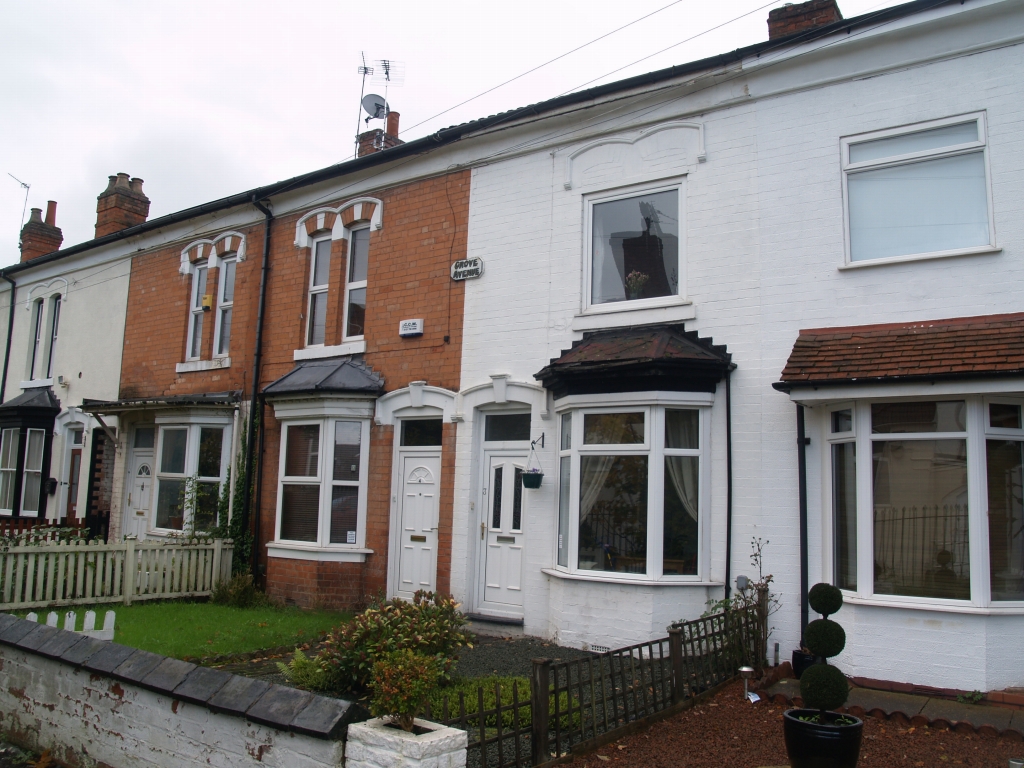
{"x": 887, "y": 701}
{"x": 955, "y": 712}
{"x": 787, "y": 686}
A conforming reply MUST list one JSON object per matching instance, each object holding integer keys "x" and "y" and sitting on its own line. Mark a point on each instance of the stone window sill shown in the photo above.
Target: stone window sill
{"x": 315, "y": 353}
{"x": 1013, "y": 608}
{"x": 319, "y": 554}
{"x": 622, "y": 314}
{"x": 35, "y": 383}
{"x": 203, "y": 365}
{"x": 608, "y": 578}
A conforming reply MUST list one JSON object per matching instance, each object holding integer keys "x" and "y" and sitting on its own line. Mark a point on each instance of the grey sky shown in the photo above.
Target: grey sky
{"x": 203, "y": 99}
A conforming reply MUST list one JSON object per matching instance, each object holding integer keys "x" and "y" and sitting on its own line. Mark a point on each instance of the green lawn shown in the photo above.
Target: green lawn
{"x": 187, "y": 629}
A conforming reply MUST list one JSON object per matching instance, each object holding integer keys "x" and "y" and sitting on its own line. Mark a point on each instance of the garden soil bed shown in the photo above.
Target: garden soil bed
{"x": 728, "y": 731}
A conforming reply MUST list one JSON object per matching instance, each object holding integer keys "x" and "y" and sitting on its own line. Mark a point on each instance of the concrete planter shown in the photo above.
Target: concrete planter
{"x": 373, "y": 744}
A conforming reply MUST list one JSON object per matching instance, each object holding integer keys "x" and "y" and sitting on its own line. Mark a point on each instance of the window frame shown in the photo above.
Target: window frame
{"x": 654, "y": 406}
{"x": 54, "y": 325}
{"x": 317, "y": 289}
{"x": 676, "y": 184}
{"x": 325, "y": 480}
{"x": 35, "y": 352}
{"x": 193, "y": 433}
{"x": 358, "y": 284}
{"x": 847, "y": 169}
{"x": 13, "y": 455}
{"x": 223, "y": 306}
{"x": 196, "y": 309}
{"x": 39, "y": 472}
{"x": 975, "y": 435}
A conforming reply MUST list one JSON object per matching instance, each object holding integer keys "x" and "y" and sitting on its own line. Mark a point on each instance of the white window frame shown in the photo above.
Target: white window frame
{"x": 849, "y": 168}
{"x": 37, "y": 472}
{"x": 354, "y": 286}
{"x": 54, "y": 325}
{"x": 10, "y": 433}
{"x": 196, "y": 308}
{"x": 315, "y": 290}
{"x": 589, "y": 201}
{"x": 977, "y": 431}
{"x": 36, "y": 341}
{"x": 223, "y": 306}
{"x": 193, "y": 428}
{"x": 324, "y": 478}
{"x": 653, "y": 405}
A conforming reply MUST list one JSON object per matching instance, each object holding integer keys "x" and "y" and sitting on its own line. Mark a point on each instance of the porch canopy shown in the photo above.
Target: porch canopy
{"x": 663, "y": 358}
{"x": 216, "y": 399}
{"x": 989, "y": 347}
{"x": 330, "y": 375}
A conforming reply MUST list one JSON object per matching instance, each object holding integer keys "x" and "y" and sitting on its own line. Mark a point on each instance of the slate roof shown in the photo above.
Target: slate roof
{"x": 332, "y": 374}
{"x": 632, "y": 359}
{"x": 955, "y": 348}
{"x": 132, "y": 403}
{"x": 38, "y": 397}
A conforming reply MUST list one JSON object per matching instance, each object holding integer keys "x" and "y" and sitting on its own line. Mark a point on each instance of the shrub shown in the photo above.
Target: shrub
{"x": 401, "y": 682}
{"x": 430, "y": 625}
{"x": 468, "y": 688}
{"x": 823, "y": 687}
{"x": 825, "y": 638}
{"x": 825, "y": 599}
{"x": 305, "y": 672}
{"x": 239, "y": 592}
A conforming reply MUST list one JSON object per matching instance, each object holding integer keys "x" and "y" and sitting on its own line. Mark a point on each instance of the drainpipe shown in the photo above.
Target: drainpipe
{"x": 802, "y": 441}
{"x": 10, "y": 330}
{"x": 728, "y": 484}
{"x": 257, "y": 359}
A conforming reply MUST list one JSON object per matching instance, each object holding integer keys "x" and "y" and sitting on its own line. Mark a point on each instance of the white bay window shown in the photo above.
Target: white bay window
{"x": 192, "y": 466}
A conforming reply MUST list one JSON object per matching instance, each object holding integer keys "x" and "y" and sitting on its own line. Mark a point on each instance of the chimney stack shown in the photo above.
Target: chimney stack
{"x": 39, "y": 237}
{"x": 376, "y": 140}
{"x": 121, "y": 205}
{"x": 790, "y": 19}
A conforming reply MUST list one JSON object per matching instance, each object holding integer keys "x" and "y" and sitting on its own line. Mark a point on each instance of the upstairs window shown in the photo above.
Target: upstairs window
{"x": 634, "y": 249}
{"x": 225, "y": 304}
{"x": 198, "y": 304}
{"x": 36, "y": 359}
{"x": 319, "y": 277}
{"x": 54, "y": 324}
{"x": 355, "y": 288}
{"x": 918, "y": 192}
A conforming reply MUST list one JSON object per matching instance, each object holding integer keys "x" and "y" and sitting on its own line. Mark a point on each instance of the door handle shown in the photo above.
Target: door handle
{"x": 483, "y": 530}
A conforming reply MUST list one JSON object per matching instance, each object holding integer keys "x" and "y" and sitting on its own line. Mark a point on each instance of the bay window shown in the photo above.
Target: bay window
{"x": 943, "y": 488}
{"x": 192, "y": 466}
{"x": 8, "y": 469}
{"x": 322, "y": 483}
{"x": 631, "y": 489}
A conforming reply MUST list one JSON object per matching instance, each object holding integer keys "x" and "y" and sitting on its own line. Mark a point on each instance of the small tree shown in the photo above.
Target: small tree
{"x": 823, "y": 686}
{"x": 402, "y": 681}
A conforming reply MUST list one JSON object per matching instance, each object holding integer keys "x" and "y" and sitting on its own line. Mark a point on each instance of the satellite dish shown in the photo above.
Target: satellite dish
{"x": 375, "y": 106}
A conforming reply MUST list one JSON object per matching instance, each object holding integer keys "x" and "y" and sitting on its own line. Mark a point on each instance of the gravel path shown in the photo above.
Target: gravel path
{"x": 729, "y": 732}
{"x": 509, "y": 656}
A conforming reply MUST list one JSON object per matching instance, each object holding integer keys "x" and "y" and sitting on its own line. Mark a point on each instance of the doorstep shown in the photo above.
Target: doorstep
{"x": 494, "y": 626}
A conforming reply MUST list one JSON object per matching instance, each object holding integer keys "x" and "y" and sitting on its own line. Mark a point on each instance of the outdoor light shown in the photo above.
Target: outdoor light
{"x": 746, "y": 673}
{"x": 742, "y": 583}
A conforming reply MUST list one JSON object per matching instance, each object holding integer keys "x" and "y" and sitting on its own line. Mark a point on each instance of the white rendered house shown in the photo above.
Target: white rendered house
{"x": 653, "y": 249}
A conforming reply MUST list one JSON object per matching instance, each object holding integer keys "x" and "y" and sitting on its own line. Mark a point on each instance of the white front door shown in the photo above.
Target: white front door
{"x": 502, "y": 534}
{"x": 140, "y": 495}
{"x": 418, "y": 496}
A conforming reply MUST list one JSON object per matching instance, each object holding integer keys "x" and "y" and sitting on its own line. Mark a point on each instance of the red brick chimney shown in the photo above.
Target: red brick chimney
{"x": 121, "y": 205}
{"x": 376, "y": 140}
{"x": 790, "y": 19}
{"x": 39, "y": 237}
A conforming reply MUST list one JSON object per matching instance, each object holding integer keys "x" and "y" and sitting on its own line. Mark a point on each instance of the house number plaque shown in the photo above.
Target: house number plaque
{"x": 466, "y": 269}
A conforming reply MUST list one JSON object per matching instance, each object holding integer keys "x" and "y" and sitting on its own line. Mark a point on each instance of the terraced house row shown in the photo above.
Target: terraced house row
{"x": 772, "y": 295}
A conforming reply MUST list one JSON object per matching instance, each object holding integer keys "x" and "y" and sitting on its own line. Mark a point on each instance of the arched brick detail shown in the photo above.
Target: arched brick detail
{"x": 337, "y": 219}
{"x": 212, "y": 250}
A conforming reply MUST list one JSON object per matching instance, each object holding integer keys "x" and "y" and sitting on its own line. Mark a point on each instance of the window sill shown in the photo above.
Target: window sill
{"x": 978, "y": 251}
{"x": 948, "y": 606}
{"x": 315, "y": 353}
{"x": 622, "y": 314}
{"x": 203, "y": 365}
{"x": 642, "y": 581}
{"x": 320, "y": 554}
{"x": 36, "y": 383}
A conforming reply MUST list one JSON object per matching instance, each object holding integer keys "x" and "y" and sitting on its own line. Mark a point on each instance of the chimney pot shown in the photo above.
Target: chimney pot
{"x": 136, "y": 185}
{"x": 36, "y": 217}
{"x": 39, "y": 237}
{"x": 111, "y": 183}
{"x": 122, "y": 181}
{"x": 791, "y": 19}
{"x": 51, "y": 213}
{"x": 391, "y": 124}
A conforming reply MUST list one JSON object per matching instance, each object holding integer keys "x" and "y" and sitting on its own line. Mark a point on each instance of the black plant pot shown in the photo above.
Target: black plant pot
{"x": 821, "y": 745}
{"x": 532, "y": 479}
{"x": 802, "y": 661}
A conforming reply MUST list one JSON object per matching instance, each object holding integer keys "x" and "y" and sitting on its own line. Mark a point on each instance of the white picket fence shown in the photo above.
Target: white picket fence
{"x": 79, "y": 573}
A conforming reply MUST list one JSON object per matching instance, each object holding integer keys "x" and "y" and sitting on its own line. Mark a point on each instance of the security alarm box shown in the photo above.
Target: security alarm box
{"x": 411, "y": 327}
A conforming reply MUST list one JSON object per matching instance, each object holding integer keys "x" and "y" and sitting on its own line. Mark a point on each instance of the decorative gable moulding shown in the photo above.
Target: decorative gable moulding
{"x": 616, "y": 157}
{"x": 197, "y": 250}
{"x": 336, "y": 219}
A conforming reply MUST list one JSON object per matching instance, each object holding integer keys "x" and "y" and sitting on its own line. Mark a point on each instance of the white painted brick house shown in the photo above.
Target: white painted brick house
{"x": 861, "y": 173}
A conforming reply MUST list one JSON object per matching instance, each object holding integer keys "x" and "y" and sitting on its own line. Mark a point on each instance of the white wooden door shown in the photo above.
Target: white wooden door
{"x": 502, "y": 529}
{"x": 420, "y": 485}
{"x": 140, "y": 495}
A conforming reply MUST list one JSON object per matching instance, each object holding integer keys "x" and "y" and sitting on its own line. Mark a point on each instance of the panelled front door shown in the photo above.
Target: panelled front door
{"x": 502, "y": 532}
{"x": 140, "y": 495}
{"x": 419, "y": 501}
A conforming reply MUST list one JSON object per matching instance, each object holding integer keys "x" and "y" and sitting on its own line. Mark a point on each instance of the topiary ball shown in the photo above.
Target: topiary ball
{"x": 825, "y": 599}
{"x": 823, "y": 686}
{"x": 825, "y": 638}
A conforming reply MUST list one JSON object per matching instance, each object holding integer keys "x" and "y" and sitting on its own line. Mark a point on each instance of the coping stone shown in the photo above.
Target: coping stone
{"x": 59, "y": 644}
{"x": 137, "y": 666}
{"x": 7, "y": 620}
{"x": 168, "y": 675}
{"x": 1017, "y": 721}
{"x": 201, "y": 684}
{"x": 37, "y": 637}
{"x": 278, "y": 706}
{"x": 238, "y": 695}
{"x": 82, "y": 651}
{"x": 955, "y": 712}
{"x": 15, "y": 632}
{"x": 888, "y": 701}
{"x": 324, "y": 717}
{"x": 108, "y": 658}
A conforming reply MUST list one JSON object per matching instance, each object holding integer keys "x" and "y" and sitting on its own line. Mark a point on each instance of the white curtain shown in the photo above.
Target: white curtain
{"x": 594, "y": 471}
{"x": 683, "y": 471}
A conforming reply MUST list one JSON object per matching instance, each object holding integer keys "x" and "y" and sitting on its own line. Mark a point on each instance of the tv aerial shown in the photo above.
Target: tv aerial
{"x": 382, "y": 72}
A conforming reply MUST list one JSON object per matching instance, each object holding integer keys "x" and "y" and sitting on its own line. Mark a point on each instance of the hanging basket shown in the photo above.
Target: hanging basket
{"x": 532, "y": 479}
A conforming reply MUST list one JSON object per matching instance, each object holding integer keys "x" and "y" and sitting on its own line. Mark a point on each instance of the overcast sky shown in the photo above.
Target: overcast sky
{"x": 204, "y": 99}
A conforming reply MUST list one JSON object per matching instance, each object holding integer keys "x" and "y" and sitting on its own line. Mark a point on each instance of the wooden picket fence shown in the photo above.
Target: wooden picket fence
{"x": 86, "y": 573}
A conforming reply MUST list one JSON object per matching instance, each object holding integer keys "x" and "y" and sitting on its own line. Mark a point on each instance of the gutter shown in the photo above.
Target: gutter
{"x": 10, "y": 332}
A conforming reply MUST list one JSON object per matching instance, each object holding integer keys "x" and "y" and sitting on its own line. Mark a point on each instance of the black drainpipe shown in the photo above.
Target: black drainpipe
{"x": 728, "y": 484}
{"x": 802, "y": 441}
{"x": 10, "y": 330}
{"x": 257, "y": 359}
